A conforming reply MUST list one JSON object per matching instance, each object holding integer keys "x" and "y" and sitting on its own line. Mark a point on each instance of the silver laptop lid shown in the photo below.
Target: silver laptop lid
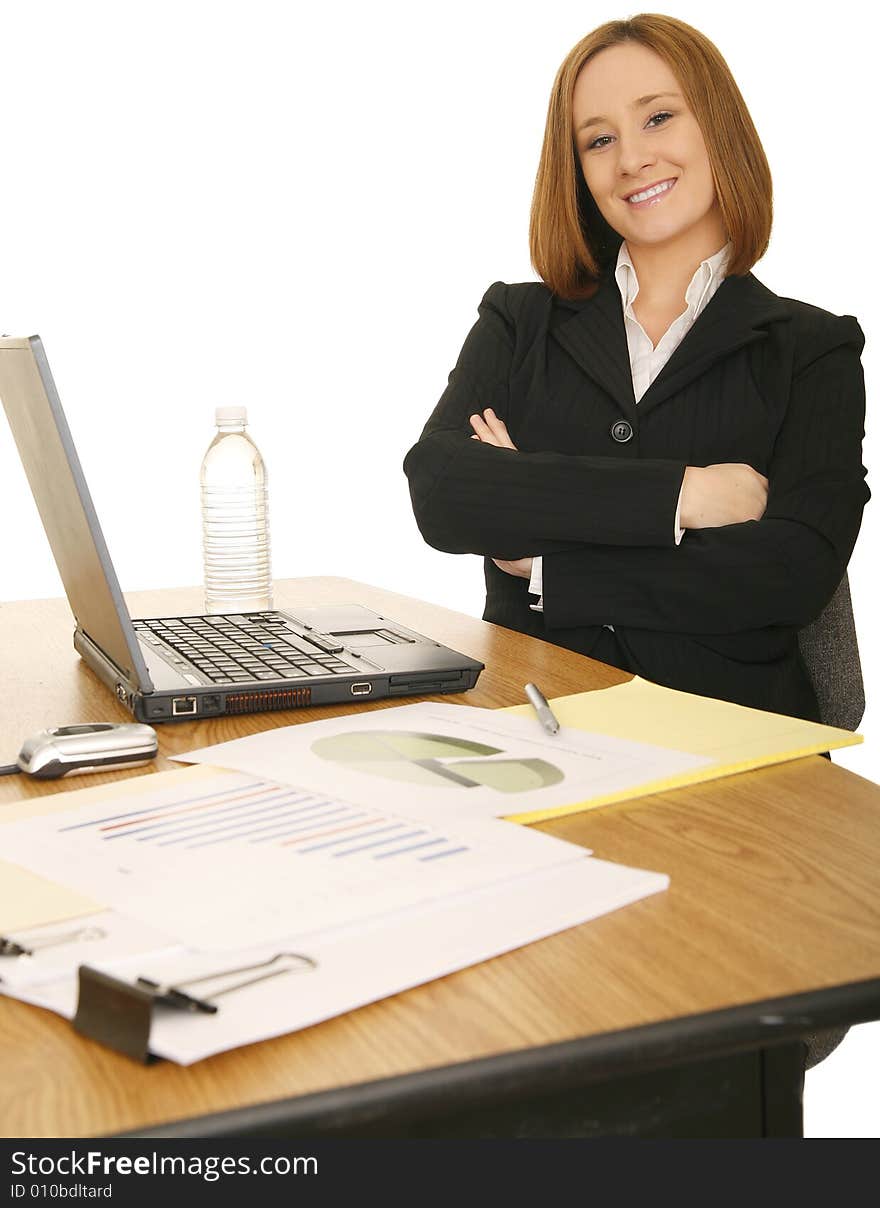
{"x": 65, "y": 505}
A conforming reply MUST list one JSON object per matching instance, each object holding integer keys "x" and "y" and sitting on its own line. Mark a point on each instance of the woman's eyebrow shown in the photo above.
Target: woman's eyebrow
{"x": 637, "y": 104}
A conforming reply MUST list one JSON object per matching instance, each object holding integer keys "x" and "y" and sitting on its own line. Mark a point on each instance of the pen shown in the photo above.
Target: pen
{"x": 543, "y": 710}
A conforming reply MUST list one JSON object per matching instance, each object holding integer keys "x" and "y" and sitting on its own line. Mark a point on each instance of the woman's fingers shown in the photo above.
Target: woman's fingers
{"x": 482, "y": 431}
{"x": 491, "y": 430}
{"x": 498, "y": 428}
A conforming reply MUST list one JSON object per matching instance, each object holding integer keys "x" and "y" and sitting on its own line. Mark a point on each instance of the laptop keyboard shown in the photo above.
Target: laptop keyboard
{"x": 239, "y": 649}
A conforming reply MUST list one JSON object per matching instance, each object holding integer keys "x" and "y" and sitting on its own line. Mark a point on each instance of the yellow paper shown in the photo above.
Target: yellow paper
{"x": 736, "y": 738}
{"x": 28, "y": 900}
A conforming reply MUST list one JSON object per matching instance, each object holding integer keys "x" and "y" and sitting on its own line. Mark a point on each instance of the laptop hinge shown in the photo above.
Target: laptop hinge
{"x": 120, "y": 682}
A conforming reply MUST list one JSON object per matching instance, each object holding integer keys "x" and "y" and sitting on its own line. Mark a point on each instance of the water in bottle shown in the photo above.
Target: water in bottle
{"x": 235, "y": 519}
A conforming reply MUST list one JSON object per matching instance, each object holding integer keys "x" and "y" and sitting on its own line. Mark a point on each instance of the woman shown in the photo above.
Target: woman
{"x": 659, "y": 457}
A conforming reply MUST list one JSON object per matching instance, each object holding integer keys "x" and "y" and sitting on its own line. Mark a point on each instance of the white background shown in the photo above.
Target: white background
{"x": 298, "y": 207}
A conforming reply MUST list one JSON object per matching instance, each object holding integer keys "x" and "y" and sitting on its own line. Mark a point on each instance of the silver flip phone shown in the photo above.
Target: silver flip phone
{"x": 68, "y": 750}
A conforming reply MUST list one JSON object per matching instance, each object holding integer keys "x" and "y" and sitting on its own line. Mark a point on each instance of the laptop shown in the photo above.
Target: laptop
{"x": 165, "y": 669}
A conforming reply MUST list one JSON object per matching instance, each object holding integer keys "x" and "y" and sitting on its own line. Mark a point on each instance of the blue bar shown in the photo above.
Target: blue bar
{"x": 380, "y": 843}
{"x": 413, "y": 847}
{"x": 335, "y": 842}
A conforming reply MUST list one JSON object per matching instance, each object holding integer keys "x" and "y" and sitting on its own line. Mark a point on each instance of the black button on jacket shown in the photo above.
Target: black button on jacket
{"x": 758, "y": 378}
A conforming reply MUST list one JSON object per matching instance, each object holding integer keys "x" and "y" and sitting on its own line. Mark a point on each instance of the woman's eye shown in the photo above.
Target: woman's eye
{"x": 604, "y": 139}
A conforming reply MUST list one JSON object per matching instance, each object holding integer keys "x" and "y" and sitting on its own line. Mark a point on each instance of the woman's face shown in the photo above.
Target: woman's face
{"x": 633, "y": 132}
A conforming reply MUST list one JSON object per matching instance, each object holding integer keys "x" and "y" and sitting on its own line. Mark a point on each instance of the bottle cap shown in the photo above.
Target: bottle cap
{"x": 225, "y": 415}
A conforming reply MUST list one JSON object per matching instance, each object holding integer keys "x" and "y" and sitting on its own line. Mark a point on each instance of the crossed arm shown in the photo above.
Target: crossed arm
{"x": 757, "y": 553}
{"x": 711, "y": 496}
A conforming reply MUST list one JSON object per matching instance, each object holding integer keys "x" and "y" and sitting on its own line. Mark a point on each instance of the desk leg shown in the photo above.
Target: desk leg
{"x": 782, "y": 1079}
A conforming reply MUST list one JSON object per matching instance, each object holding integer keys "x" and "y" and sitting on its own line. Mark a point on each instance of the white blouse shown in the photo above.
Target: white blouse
{"x": 645, "y": 360}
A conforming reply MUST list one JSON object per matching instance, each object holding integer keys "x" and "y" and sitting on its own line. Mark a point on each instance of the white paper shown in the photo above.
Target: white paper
{"x": 366, "y": 962}
{"x": 429, "y": 760}
{"x": 233, "y": 861}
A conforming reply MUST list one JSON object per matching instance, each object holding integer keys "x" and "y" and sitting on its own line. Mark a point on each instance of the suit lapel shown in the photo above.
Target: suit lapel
{"x": 596, "y": 337}
{"x": 738, "y": 314}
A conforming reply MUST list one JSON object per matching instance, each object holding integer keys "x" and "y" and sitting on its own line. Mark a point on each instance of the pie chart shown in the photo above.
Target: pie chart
{"x": 435, "y": 761}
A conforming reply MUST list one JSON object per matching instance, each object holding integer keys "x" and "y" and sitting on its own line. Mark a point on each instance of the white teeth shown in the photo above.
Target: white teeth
{"x": 667, "y": 184}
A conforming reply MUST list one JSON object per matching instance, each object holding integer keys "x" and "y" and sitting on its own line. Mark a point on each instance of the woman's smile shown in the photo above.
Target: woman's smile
{"x": 650, "y": 196}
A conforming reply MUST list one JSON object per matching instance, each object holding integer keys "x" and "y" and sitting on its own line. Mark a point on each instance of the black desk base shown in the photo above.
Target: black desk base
{"x": 757, "y": 1094}
{"x": 733, "y": 1073}
{"x": 752, "y": 1094}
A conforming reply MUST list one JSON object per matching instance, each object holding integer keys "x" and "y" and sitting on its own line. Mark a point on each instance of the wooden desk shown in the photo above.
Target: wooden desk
{"x": 775, "y": 895}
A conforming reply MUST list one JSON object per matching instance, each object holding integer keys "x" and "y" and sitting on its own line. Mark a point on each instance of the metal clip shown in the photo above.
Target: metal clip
{"x": 11, "y": 947}
{"x": 175, "y": 995}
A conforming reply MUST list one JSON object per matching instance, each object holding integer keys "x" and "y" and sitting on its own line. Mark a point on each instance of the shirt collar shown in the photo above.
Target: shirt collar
{"x": 711, "y": 272}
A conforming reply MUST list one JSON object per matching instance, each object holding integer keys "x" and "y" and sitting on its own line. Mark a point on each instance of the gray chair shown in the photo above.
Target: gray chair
{"x": 831, "y": 654}
{"x": 830, "y": 651}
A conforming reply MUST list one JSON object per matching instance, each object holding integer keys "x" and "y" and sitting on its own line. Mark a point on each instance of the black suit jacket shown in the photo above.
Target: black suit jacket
{"x": 758, "y": 378}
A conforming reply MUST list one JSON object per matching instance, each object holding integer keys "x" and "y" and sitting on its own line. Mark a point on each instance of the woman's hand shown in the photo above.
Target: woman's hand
{"x": 521, "y": 567}
{"x": 491, "y": 430}
{"x": 726, "y": 493}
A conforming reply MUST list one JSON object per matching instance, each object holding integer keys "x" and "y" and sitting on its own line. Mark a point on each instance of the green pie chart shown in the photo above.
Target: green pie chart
{"x": 435, "y": 761}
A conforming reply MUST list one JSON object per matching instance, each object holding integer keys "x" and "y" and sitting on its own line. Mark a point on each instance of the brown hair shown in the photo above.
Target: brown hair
{"x": 569, "y": 240}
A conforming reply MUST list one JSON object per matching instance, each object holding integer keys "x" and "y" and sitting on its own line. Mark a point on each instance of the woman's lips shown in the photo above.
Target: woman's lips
{"x": 655, "y": 199}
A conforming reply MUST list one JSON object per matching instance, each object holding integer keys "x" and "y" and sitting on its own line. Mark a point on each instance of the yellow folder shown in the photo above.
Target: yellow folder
{"x": 737, "y": 739}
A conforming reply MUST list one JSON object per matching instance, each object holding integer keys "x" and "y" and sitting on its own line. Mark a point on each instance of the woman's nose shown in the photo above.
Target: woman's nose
{"x": 634, "y": 154}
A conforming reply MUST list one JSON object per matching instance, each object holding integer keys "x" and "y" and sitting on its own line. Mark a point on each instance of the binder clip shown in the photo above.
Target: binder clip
{"x": 30, "y": 946}
{"x": 119, "y": 1014}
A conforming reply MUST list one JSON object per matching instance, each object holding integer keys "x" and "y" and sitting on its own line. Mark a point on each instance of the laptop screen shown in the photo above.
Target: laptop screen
{"x": 62, "y": 497}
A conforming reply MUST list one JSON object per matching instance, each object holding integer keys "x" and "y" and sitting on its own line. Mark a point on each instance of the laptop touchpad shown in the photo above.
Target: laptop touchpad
{"x": 364, "y": 639}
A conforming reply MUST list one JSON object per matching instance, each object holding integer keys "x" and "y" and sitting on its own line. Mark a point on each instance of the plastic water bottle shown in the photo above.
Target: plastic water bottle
{"x": 235, "y": 519}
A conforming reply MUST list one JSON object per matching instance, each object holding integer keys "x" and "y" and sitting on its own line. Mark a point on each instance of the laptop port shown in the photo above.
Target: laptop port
{"x": 362, "y": 689}
{"x": 183, "y": 704}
